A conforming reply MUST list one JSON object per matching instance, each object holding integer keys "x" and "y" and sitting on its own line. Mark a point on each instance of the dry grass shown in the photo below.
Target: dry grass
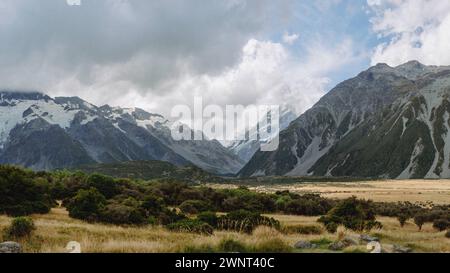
{"x": 56, "y": 229}
{"x": 436, "y": 191}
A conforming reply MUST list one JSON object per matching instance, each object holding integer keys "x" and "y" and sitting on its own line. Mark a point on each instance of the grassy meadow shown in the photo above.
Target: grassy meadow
{"x": 56, "y": 229}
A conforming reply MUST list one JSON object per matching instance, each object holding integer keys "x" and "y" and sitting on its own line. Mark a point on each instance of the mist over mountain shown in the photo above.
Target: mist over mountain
{"x": 388, "y": 122}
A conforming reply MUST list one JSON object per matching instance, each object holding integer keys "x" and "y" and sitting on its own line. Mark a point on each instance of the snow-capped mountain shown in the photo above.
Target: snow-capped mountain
{"x": 245, "y": 149}
{"x": 391, "y": 122}
{"x": 43, "y": 133}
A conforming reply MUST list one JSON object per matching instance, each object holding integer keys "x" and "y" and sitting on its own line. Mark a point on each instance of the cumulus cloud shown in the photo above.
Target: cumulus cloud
{"x": 412, "y": 30}
{"x": 156, "y": 54}
{"x": 290, "y": 38}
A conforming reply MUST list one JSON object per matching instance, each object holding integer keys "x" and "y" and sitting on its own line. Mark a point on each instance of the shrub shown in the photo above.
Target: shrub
{"x": 441, "y": 224}
{"x": 420, "y": 219}
{"x": 353, "y": 214}
{"x": 104, "y": 184}
{"x": 402, "y": 218}
{"x": 121, "y": 214}
{"x": 86, "y": 205}
{"x": 23, "y": 192}
{"x": 20, "y": 227}
{"x": 153, "y": 205}
{"x": 209, "y": 218}
{"x": 245, "y": 221}
{"x": 194, "y": 206}
{"x": 189, "y": 225}
{"x": 302, "y": 229}
{"x": 168, "y": 216}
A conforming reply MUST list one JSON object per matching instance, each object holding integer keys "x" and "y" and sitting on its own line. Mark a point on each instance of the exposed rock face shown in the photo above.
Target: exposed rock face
{"x": 10, "y": 247}
{"x": 43, "y": 133}
{"x": 304, "y": 245}
{"x": 386, "y": 122}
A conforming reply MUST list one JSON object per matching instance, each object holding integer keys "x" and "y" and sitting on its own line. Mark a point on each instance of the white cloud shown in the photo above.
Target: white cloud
{"x": 290, "y": 38}
{"x": 415, "y": 30}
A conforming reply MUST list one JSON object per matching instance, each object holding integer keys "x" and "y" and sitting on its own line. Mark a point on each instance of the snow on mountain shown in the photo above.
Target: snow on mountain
{"x": 387, "y": 122}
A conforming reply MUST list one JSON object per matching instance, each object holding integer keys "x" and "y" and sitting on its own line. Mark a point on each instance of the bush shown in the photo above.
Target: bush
{"x": 104, "y": 184}
{"x": 441, "y": 224}
{"x": 153, "y": 205}
{"x": 194, "y": 206}
{"x": 353, "y": 214}
{"x": 86, "y": 205}
{"x": 209, "y": 218}
{"x": 189, "y": 225}
{"x": 20, "y": 227}
{"x": 402, "y": 218}
{"x": 420, "y": 219}
{"x": 121, "y": 214}
{"x": 245, "y": 221}
{"x": 168, "y": 216}
{"x": 302, "y": 229}
{"x": 23, "y": 192}
{"x": 232, "y": 246}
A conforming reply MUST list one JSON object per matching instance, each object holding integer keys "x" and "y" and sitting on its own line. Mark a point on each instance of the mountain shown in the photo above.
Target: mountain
{"x": 149, "y": 170}
{"x": 387, "y": 122}
{"x": 245, "y": 149}
{"x": 43, "y": 133}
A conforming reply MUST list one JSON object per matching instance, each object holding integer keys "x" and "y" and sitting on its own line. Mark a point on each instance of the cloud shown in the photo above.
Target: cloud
{"x": 290, "y": 38}
{"x": 157, "y": 54}
{"x": 412, "y": 30}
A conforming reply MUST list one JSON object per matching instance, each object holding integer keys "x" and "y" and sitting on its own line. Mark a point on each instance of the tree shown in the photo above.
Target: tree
{"x": 402, "y": 218}
{"x": 86, "y": 205}
{"x": 441, "y": 224}
{"x": 353, "y": 214}
{"x": 420, "y": 219}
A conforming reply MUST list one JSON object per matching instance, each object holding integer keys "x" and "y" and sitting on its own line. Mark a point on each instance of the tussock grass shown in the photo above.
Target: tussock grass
{"x": 56, "y": 229}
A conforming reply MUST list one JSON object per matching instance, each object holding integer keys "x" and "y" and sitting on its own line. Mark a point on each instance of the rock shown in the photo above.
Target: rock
{"x": 10, "y": 247}
{"x": 401, "y": 249}
{"x": 350, "y": 240}
{"x": 337, "y": 246}
{"x": 304, "y": 245}
{"x": 368, "y": 239}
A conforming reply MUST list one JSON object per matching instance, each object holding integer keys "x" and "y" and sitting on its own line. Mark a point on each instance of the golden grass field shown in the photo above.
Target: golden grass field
{"x": 56, "y": 229}
{"x": 436, "y": 191}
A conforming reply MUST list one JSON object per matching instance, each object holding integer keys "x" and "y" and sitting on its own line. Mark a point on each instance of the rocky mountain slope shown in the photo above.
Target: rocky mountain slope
{"x": 388, "y": 122}
{"x": 43, "y": 133}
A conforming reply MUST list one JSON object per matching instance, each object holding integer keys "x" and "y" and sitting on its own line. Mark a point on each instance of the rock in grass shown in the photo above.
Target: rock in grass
{"x": 337, "y": 246}
{"x": 304, "y": 245}
{"x": 10, "y": 247}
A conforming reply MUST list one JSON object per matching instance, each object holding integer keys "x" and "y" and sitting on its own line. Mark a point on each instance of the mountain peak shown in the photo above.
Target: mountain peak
{"x": 23, "y": 95}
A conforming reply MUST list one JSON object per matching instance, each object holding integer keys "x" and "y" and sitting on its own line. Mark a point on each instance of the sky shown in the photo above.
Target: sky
{"x": 158, "y": 54}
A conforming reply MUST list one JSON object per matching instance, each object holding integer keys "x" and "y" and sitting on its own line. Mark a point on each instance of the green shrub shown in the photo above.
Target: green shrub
{"x": 23, "y": 192}
{"x": 245, "y": 221}
{"x": 353, "y": 214}
{"x": 121, "y": 214}
{"x": 303, "y": 229}
{"x": 189, "y": 225}
{"x": 232, "y": 246}
{"x": 104, "y": 184}
{"x": 441, "y": 224}
{"x": 208, "y": 217}
{"x": 153, "y": 205}
{"x": 86, "y": 205}
{"x": 20, "y": 227}
{"x": 195, "y": 206}
{"x": 168, "y": 216}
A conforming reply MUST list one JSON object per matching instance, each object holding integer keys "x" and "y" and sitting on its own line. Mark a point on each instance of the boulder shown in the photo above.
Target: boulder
{"x": 368, "y": 239}
{"x": 304, "y": 245}
{"x": 10, "y": 247}
{"x": 337, "y": 246}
